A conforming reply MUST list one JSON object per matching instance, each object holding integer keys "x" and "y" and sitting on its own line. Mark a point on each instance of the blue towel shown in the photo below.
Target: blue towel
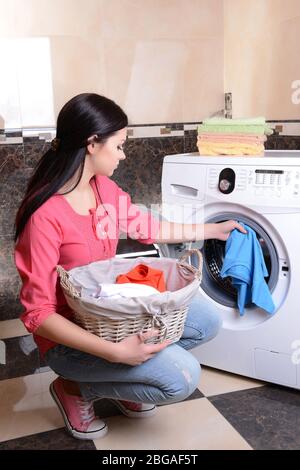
{"x": 244, "y": 263}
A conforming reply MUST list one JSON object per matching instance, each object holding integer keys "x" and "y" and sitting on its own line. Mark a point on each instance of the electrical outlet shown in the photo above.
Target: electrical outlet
{"x": 165, "y": 130}
{"x": 278, "y": 128}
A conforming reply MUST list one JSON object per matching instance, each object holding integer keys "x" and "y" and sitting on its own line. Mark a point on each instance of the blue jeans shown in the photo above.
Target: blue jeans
{"x": 170, "y": 376}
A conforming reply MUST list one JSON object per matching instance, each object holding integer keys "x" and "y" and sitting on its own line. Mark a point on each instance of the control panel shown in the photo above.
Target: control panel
{"x": 262, "y": 182}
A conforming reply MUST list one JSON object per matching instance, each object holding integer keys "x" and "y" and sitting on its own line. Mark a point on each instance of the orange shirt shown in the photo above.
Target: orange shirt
{"x": 143, "y": 274}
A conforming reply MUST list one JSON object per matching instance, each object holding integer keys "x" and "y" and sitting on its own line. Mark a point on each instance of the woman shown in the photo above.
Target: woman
{"x": 58, "y": 222}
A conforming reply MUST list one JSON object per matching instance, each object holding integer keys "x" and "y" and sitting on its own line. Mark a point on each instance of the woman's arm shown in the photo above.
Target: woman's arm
{"x": 131, "y": 350}
{"x": 171, "y": 232}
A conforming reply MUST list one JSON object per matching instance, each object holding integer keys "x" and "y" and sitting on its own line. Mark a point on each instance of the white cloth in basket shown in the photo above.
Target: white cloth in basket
{"x": 116, "y": 291}
{"x": 181, "y": 282}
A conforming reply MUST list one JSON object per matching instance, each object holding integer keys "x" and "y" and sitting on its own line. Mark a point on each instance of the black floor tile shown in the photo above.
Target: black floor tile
{"x": 58, "y": 439}
{"x": 22, "y": 358}
{"x": 105, "y": 408}
{"x": 267, "y": 417}
{"x": 196, "y": 394}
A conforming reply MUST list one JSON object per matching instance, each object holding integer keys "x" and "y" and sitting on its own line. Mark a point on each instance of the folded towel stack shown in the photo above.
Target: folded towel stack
{"x": 220, "y": 136}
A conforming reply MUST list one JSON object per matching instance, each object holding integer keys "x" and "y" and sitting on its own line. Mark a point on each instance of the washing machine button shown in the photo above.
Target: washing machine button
{"x": 224, "y": 185}
{"x": 226, "y": 181}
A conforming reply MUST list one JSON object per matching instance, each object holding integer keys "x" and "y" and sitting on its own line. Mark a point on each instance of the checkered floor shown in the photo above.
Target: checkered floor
{"x": 225, "y": 412}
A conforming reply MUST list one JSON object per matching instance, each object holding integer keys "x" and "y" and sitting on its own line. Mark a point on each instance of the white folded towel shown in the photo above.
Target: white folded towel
{"x": 116, "y": 291}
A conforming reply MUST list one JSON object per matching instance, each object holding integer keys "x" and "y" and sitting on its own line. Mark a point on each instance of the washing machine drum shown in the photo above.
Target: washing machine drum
{"x": 222, "y": 290}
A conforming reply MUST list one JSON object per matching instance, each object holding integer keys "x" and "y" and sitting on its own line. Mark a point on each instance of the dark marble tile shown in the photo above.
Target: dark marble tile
{"x": 10, "y": 307}
{"x": 10, "y": 282}
{"x": 140, "y": 173}
{"x": 22, "y": 358}
{"x": 34, "y": 150}
{"x": 11, "y": 159}
{"x": 190, "y": 141}
{"x": 12, "y": 190}
{"x": 282, "y": 142}
{"x": 7, "y": 264}
{"x": 57, "y": 439}
{"x": 12, "y": 164}
{"x": 267, "y": 417}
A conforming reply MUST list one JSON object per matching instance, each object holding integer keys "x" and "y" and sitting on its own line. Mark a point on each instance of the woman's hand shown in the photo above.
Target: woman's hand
{"x": 222, "y": 230}
{"x": 133, "y": 350}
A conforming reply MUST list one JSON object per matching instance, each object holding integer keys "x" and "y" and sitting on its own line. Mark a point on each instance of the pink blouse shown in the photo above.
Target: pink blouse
{"x": 56, "y": 234}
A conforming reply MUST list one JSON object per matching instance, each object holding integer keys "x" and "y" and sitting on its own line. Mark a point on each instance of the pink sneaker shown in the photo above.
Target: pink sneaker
{"x": 135, "y": 410}
{"x": 78, "y": 413}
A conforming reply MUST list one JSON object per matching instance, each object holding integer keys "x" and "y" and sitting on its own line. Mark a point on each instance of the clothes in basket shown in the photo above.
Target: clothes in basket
{"x": 115, "y": 319}
{"x": 146, "y": 275}
{"x": 116, "y": 291}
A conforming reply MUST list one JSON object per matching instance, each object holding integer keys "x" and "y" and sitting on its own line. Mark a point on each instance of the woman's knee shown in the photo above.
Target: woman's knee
{"x": 184, "y": 376}
{"x": 201, "y": 325}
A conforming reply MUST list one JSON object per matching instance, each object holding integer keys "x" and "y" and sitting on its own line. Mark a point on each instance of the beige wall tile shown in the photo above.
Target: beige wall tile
{"x": 203, "y": 79}
{"x": 77, "y": 66}
{"x": 7, "y": 18}
{"x": 163, "y": 61}
{"x": 58, "y": 17}
{"x": 262, "y": 57}
{"x": 35, "y": 81}
{"x": 146, "y": 65}
{"x": 10, "y": 109}
{"x": 204, "y": 429}
{"x": 145, "y": 77}
{"x": 161, "y": 19}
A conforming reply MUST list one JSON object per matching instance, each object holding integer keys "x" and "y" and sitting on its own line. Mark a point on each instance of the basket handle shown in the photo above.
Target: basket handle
{"x": 66, "y": 283}
{"x": 186, "y": 255}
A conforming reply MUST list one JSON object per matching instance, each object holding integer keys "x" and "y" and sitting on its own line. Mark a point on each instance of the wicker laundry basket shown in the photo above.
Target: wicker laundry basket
{"x": 118, "y": 319}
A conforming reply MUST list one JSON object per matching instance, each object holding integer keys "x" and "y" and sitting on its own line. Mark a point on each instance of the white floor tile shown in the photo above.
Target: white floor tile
{"x": 194, "y": 424}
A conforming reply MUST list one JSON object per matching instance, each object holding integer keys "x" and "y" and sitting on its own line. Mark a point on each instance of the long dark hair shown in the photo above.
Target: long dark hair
{"x": 85, "y": 115}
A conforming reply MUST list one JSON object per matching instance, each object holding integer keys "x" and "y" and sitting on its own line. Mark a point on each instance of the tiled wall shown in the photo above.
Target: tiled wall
{"x": 139, "y": 174}
{"x": 160, "y": 60}
{"x": 262, "y": 57}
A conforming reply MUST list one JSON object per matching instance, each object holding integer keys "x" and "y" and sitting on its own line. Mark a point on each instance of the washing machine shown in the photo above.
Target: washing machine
{"x": 264, "y": 193}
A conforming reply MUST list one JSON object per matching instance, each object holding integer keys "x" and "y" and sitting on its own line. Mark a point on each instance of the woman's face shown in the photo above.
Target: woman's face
{"x": 104, "y": 158}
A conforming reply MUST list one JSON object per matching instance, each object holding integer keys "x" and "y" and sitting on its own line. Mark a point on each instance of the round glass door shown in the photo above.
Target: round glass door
{"x": 222, "y": 290}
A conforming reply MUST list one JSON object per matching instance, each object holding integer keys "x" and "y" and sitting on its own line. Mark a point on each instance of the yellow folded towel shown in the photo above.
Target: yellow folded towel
{"x": 212, "y": 148}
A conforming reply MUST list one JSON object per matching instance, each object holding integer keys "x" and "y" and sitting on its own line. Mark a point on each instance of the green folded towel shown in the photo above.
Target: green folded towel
{"x": 235, "y": 129}
{"x": 216, "y": 121}
{"x": 255, "y": 126}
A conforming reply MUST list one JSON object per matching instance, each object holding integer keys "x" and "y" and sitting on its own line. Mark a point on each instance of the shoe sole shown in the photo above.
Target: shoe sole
{"x": 89, "y": 435}
{"x": 134, "y": 414}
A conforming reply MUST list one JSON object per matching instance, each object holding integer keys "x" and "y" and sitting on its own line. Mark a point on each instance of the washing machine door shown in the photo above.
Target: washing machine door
{"x": 222, "y": 290}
